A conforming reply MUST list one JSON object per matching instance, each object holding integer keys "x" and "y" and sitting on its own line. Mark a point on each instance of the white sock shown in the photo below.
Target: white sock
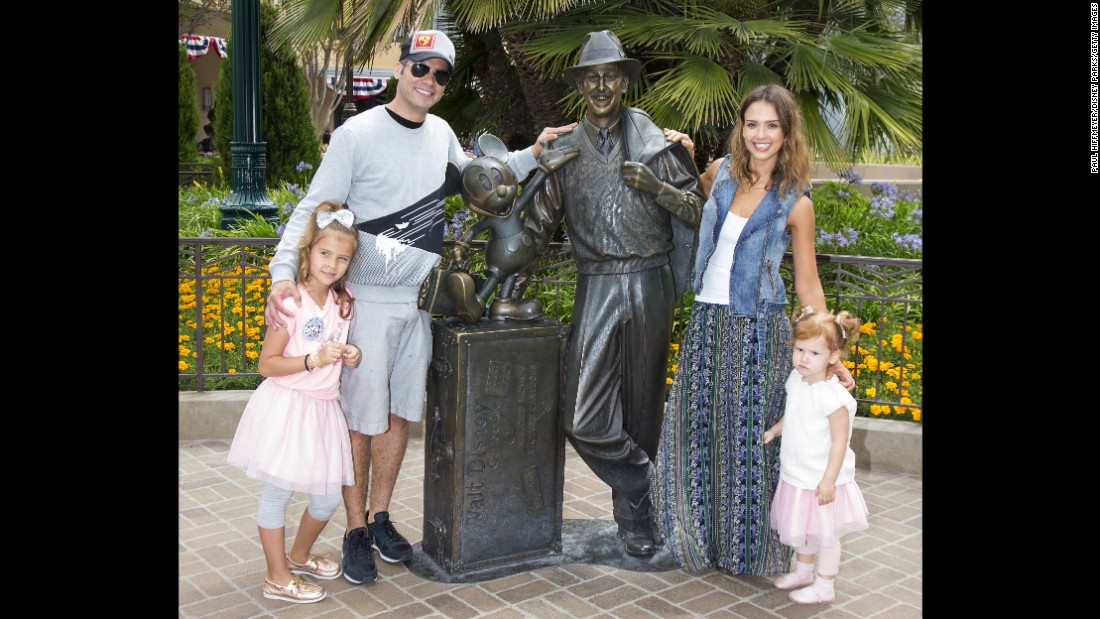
{"x": 803, "y": 570}
{"x": 824, "y": 584}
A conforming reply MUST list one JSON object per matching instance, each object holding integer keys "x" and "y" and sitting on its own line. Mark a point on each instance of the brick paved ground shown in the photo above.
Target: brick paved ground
{"x": 221, "y": 564}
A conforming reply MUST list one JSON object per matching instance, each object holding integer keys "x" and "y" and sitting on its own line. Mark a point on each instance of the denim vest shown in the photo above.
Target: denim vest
{"x": 756, "y": 287}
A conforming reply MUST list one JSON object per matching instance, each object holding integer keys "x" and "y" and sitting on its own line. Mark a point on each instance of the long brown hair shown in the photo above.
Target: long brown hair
{"x": 793, "y": 164}
{"x": 311, "y": 235}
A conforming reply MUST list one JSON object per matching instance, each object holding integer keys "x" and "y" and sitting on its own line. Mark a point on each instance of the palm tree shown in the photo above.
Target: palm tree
{"x": 850, "y": 62}
{"x": 857, "y": 80}
{"x": 341, "y": 34}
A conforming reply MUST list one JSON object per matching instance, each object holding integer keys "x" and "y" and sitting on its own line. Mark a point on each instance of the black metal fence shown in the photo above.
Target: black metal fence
{"x": 224, "y": 283}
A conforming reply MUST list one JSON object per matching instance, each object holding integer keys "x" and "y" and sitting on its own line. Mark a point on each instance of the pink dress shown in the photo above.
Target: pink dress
{"x": 293, "y": 433}
{"x": 803, "y": 457}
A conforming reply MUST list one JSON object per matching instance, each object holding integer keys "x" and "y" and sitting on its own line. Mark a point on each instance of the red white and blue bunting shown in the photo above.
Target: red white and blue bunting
{"x": 198, "y": 45}
{"x": 361, "y": 87}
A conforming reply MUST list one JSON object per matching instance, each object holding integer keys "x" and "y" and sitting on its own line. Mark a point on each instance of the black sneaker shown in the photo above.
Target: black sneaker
{"x": 358, "y": 560}
{"x": 391, "y": 545}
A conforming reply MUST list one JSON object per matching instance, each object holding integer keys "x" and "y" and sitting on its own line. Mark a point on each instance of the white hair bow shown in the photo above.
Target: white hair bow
{"x": 344, "y": 216}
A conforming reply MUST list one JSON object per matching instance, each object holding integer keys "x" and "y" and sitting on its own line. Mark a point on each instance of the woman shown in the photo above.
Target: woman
{"x": 715, "y": 477}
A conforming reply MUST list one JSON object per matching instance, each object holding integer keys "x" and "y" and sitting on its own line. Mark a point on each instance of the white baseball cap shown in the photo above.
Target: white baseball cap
{"x": 424, "y": 44}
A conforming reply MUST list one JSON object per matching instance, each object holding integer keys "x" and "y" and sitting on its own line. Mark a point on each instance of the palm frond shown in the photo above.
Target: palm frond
{"x": 808, "y": 69}
{"x": 302, "y": 23}
{"x": 700, "y": 89}
{"x": 481, "y": 15}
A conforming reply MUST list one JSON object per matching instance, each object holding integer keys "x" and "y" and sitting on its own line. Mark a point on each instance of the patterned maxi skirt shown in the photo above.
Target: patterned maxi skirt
{"x": 715, "y": 479}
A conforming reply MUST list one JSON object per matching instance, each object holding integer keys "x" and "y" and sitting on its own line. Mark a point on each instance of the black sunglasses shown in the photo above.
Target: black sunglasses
{"x": 419, "y": 69}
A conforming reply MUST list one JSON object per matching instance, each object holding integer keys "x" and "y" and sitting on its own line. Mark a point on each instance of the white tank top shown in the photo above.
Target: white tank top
{"x": 716, "y": 277}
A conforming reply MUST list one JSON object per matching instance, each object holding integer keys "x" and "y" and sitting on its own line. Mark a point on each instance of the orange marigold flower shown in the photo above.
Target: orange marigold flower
{"x": 184, "y": 365}
{"x": 232, "y": 370}
{"x": 870, "y": 391}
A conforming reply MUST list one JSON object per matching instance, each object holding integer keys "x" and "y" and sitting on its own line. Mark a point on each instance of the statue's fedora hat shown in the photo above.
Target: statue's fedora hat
{"x": 601, "y": 48}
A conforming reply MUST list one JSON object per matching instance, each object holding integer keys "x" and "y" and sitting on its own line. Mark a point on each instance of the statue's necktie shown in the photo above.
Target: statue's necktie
{"x": 604, "y": 144}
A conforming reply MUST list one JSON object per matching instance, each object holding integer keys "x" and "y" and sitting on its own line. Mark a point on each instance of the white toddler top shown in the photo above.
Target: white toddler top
{"x": 804, "y": 453}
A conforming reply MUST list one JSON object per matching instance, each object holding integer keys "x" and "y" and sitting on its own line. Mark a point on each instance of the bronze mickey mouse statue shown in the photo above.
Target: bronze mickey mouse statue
{"x": 489, "y": 188}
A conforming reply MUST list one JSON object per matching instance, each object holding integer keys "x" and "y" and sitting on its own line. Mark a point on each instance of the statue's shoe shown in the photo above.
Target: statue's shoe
{"x": 461, "y": 288}
{"x": 511, "y": 309}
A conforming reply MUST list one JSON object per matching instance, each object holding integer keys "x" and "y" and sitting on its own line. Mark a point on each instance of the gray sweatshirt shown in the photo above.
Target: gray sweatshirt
{"x": 392, "y": 178}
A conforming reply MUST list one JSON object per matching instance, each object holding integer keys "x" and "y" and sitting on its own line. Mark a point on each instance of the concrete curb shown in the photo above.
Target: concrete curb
{"x": 879, "y": 444}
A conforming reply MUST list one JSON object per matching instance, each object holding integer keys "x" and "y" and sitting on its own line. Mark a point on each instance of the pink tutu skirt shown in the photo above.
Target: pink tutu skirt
{"x": 800, "y": 521}
{"x": 294, "y": 441}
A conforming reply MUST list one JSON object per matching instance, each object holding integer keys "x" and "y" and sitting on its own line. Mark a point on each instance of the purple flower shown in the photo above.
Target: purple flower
{"x": 302, "y": 165}
{"x": 840, "y": 239}
{"x": 851, "y": 176}
{"x": 280, "y": 230}
{"x": 883, "y": 205}
{"x": 288, "y": 208}
{"x": 297, "y": 191}
{"x": 886, "y": 189}
{"x": 908, "y": 241}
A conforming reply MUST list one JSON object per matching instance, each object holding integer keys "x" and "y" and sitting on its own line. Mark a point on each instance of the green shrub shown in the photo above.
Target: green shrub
{"x": 189, "y": 114}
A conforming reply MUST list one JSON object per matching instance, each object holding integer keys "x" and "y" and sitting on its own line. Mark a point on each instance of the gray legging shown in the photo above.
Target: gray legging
{"x": 274, "y": 501}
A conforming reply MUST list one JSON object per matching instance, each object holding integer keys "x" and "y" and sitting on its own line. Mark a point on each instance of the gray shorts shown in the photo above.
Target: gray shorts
{"x": 396, "y": 342}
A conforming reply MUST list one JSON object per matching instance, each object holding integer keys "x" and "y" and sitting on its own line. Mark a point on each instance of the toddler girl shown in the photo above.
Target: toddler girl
{"x": 817, "y": 499}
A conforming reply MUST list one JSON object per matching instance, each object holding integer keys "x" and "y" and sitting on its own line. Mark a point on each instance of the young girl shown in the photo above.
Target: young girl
{"x": 817, "y": 500}
{"x": 292, "y": 434}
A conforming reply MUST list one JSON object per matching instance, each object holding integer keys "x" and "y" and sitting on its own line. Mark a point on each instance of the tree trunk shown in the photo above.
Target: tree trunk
{"x": 498, "y": 83}
{"x": 541, "y": 92}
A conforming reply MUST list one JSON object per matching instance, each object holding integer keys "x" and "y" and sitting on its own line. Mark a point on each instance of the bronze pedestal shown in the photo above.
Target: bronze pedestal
{"x": 495, "y": 461}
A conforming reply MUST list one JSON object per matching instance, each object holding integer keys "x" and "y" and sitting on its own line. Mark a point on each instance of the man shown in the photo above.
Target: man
{"x": 617, "y": 355}
{"x": 388, "y": 164}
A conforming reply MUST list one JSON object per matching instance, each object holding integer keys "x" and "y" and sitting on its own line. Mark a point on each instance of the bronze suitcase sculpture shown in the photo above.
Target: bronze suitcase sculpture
{"x": 495, "y": 451}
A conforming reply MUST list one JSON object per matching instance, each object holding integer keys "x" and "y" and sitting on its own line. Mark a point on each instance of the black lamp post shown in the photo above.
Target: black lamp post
{"x": 249, "y": 152}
